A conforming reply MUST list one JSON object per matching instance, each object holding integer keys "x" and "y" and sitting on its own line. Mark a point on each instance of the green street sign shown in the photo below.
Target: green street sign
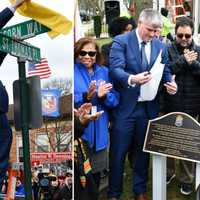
{"x": 25, "y": 30}
{"x": 19, "y": 48}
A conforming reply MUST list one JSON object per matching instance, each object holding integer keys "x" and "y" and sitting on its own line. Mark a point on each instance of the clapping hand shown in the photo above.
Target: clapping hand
{"x": 91, "y": 90}
{"x": 83, "y": 110}
{"x": 190, "y": 56}
{"x": 104, "y": 88}
{"x": 83, "y": 113}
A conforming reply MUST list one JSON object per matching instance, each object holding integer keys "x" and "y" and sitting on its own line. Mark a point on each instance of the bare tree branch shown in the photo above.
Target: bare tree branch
{"x": 62, "y": 83}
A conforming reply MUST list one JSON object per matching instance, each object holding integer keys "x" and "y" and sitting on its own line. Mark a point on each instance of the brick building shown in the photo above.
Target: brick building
{"x": 54, "y": 135}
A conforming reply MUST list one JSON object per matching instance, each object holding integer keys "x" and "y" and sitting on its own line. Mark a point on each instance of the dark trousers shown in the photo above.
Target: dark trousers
{"x": 5, "y": 145}
{"x": 123, "y": 133}
{"x": 186, "y": 168}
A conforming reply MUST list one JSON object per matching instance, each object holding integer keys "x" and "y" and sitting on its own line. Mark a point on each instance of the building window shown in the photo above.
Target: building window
{"x": 42, "y": 143}
{"x": 42, "y": 148}
{"x": 65, "y": 142}
{"x": 20, "y": 154}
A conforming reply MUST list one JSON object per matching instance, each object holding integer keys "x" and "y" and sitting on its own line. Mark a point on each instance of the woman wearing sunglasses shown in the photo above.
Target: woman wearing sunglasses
{"x": 92, "y": 84}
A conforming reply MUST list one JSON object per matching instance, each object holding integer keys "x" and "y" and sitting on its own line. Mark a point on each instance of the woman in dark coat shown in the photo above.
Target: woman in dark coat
{"x": 85, "y": 187}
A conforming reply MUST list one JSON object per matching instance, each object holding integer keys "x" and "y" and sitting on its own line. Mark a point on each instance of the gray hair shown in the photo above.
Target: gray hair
{"x": 151, "y": 17}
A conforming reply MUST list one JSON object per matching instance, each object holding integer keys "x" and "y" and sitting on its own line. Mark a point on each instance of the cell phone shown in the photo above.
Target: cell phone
{"x": 93, "y": 110}
{"x": 101, "y": 112}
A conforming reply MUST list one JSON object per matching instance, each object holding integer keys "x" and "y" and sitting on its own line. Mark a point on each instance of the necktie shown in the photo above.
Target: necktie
{"x": 144, "y": 63}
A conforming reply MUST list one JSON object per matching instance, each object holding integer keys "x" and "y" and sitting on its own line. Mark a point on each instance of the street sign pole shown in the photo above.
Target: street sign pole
{"x": 11, "y": 42}
{"x": 25, "y": 30}
{"x": 25, "y": 127}
{"x": 19, "y": 48}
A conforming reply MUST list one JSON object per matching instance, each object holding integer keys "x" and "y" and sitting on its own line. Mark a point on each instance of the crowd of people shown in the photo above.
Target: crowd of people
{"x": 46, "y": 185}
{"x": 111, "y": 112}
{"x": 49, "y": 186}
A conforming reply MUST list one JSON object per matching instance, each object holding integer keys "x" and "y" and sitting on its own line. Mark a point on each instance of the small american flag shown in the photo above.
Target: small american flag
{"x": 41, "y": 69}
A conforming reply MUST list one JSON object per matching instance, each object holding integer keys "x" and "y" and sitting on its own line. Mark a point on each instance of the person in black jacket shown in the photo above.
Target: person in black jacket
{"x": 184, "y": 57}
{"x": 5, "y": 130}
{"x": 65, "y": 191}
{"x": 117, "y": 26}
{"x": 85, "y": 187}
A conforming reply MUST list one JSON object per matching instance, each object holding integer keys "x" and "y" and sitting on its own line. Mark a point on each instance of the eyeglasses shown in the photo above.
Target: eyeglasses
{"x": 90, "y": 53}
{"x": 187, "y": 36}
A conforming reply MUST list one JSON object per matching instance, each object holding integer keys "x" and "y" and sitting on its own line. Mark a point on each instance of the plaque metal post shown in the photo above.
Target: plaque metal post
{"x": 166, "y": 136}
{"x": 198, "y": 180}
{"x": 159, "y": 177}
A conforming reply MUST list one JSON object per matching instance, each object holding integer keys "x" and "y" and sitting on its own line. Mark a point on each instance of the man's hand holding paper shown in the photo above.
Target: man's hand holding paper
{"x": 149, "y": 90}
{"x": 141, "y": 78}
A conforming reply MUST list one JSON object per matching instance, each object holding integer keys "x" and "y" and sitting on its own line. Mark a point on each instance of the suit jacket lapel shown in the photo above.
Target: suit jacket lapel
{"x": 154, "y": 54}
{"x": 135, "y": 48}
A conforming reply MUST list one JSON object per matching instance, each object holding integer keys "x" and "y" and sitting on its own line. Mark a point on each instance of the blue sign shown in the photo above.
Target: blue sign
{"x": 50, "y": 102}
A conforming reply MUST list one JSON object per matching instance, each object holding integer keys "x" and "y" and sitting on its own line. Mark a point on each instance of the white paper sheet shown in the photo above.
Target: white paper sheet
{"x": 149, "y": 90}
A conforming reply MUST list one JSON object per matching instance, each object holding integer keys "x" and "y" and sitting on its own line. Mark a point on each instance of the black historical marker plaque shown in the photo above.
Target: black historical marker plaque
{"x": 176, "y": 135}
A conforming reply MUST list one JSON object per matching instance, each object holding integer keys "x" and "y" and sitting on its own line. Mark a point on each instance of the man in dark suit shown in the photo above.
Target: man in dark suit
{"x": 5, "y": 130}
{"x": 132, "y": 56}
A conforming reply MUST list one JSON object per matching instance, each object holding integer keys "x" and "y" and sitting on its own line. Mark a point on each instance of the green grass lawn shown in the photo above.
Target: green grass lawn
{"x": 173, "y": 190}
{"x": 103, "y": 41}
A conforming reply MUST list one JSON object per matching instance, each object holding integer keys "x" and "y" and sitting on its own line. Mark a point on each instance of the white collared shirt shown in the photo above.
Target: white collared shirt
{"x": 147, "y": 46}
{"x": 147, "y": 51}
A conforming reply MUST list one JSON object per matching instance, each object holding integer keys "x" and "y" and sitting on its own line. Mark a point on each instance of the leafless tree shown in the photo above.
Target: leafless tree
{"x": 56, "y": 139}
{"x": 58, "y": 124}
{"x": 62, "y": 83}
{"x": 97, "y": 6}
{"x": 94, "y": 6}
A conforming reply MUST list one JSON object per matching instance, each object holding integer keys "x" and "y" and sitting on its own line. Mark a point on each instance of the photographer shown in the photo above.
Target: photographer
{"x": 65, "y": 191}
{"x": 46, "y": 186}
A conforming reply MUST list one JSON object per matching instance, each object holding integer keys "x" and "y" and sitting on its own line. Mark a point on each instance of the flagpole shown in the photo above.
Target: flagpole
{"x": 78, "y": 28}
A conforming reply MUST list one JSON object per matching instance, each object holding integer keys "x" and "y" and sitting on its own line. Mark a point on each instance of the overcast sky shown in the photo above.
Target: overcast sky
{"x": 58, "y": 51}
